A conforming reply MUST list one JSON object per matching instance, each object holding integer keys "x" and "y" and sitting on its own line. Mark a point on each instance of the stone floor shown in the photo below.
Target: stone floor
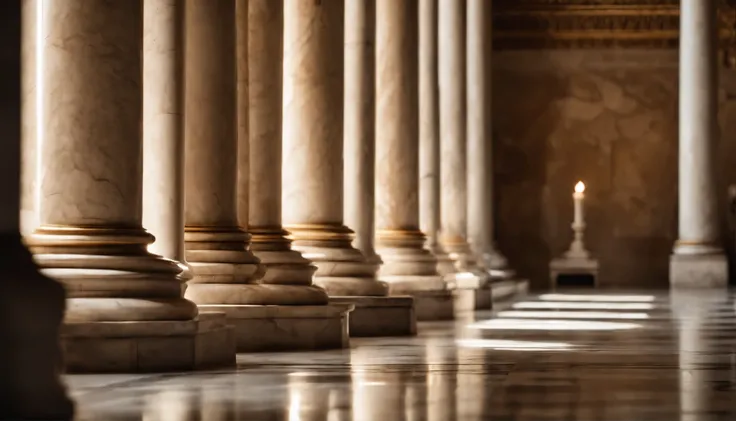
{"x": 551, "y": 357}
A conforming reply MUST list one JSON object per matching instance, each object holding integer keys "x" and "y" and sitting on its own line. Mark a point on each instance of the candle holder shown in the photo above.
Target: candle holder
{"x": 576, "y": 261}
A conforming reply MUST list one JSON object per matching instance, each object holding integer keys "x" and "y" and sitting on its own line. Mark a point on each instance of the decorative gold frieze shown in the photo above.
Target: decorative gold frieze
{"x": 528, "y": 24}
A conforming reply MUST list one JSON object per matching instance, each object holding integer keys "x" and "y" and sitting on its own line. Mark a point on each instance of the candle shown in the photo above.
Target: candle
{"x": 578, "y": 197}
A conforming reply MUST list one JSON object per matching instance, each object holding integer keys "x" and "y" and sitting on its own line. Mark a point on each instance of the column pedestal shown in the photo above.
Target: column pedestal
{"x": 699, "y": 271}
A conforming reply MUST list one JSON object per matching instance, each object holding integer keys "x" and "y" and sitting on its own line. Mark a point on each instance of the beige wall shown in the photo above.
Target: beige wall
{"x": 608, "y": 117}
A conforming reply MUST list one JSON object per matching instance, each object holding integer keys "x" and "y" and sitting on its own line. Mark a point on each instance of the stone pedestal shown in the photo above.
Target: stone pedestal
{"x": 105, "y": 347}
{"x": 698, "y": 259}
{"x": 576, "y": 265}
{"x": 90, "y": 235}
{"x": 287, "y": 327}
{"x": 699, "y": 271}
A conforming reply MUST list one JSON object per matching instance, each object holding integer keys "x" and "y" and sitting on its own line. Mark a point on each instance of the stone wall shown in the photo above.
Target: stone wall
{"x": 608, "y": 117}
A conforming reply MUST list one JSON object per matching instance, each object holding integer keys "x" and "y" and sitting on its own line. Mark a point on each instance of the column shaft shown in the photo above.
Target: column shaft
{"x": 29, "y": 125}
{"x": 429, "y": 142}
{"x": 453, "y": 190}
{"x": 400, "y": 242}
{"x": 479, "y": 135}
{"x": 31, "y": 305}
{"x": 358, "y": 131}
{"x": 260, "y": 40}
{"x": 698, "y": 206}
{"x": 91, "y": 237}
{"x": 217, "y": 248}
{"x": 163, "y": 128}
{"x": 313, "y": 148}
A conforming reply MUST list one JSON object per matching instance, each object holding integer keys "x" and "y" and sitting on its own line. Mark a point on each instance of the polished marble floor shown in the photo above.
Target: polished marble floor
{"x": 638, "y": 356}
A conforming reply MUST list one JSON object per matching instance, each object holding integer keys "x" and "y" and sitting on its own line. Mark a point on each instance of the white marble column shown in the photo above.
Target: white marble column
{"x": 453, "y": 149}
{"x": 479, "y": 141}
{"x": 358, "y": 127}
{"x": 698, "y": 259}
{"x": 260, "y": 32}
{"x": 429, "y": 141}
{"x": 408, "y": 266}
{"x": 225, "y": 270}
{"x": 429, "y": 134}
{"x": 163, "y": 128}
{"x": 31, "y": 305}
{"x": 90, "y": 235}
{"x": 453, "y": 183}
{"x": 313, "y": 149}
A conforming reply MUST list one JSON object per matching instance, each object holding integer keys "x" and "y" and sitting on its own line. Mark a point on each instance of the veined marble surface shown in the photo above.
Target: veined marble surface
{"x": 556, "y": 356}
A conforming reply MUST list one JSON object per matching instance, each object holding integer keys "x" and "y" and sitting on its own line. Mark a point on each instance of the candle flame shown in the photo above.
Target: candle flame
{"x": 580, "y": 187}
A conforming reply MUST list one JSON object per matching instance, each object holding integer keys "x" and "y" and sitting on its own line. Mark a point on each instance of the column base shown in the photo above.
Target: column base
{"x": 380, "y": 316}
{"x": 699, "y": 271}
{"x": 286, "y": 328}
{"x": 148, "y": 346}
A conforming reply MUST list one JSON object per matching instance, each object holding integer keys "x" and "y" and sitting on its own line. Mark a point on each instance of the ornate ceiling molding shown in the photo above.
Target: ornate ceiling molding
{"x": 528, "y": 24}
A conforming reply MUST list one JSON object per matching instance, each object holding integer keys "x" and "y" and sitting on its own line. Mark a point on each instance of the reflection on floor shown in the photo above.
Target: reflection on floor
{"x": 551, "y": 357}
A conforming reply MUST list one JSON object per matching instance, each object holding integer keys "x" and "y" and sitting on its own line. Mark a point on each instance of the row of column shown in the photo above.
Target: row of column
{"x": 212, "y": 130}
{"x": 251, "y": 138}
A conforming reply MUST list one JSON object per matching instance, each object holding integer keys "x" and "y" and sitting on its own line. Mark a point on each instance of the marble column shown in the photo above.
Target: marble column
{"x": 384, "y": 315}
{"x": 408, "y": 266}
{"x": 226, "y": 272}
{"x": 302, "y": 307}
{"x": 163, "y": 128}
{"x": 31, "y": 305}
{"x": 163, "y": 160}
{"x": 225, "y": 269}
{"x": 698, "y": 259}
{"x": 358, "y": 127}
{"x": 429, "y": 141}
{"x": 459, "y": 263}
{"x": 480, "y": 162}
{"x": 90, "y": 235}
{"x": 313, "y": 149}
